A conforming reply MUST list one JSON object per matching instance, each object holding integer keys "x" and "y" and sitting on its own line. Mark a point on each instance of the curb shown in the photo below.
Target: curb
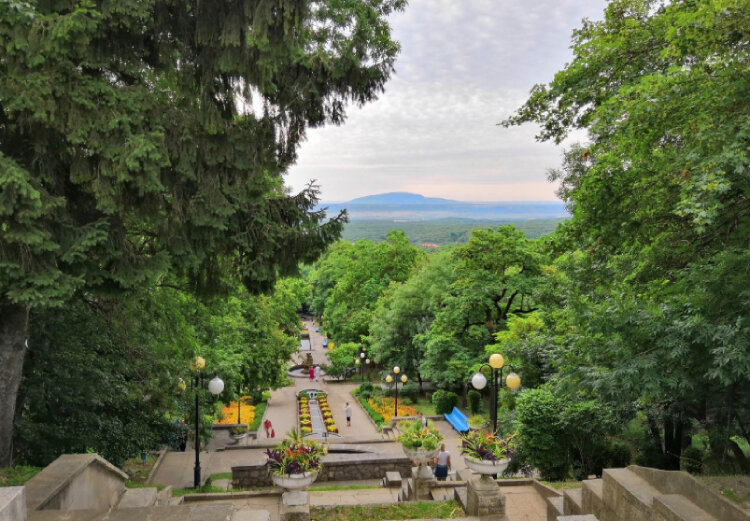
{"x": 156, "y": 466}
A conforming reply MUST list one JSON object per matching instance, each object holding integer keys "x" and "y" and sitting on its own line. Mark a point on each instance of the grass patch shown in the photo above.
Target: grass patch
{"x": 205, "y": 489}
{"x": 260, "y": 409}
{"x": 446, "y": 510}
{"x": 323, "y": 488}
{"x": 137, "y": 470}
{"x": 129, "y": 483}
{"x": 426, "y": 407}
{"x": 18, "y": 475}
{"x": 220, "y": 475}
{"x": 560, "y": 485}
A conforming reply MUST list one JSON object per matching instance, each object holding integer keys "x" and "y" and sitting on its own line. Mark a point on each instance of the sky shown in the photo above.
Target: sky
{"x": 464, "y": 67}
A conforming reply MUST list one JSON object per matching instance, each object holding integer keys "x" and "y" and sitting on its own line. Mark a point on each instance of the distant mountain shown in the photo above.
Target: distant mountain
{"x": 404, "y": 206}
{"x": 399, "y": 198}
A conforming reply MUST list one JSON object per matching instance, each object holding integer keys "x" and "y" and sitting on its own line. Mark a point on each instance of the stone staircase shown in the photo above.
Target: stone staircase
{"x": 644, "y": 494}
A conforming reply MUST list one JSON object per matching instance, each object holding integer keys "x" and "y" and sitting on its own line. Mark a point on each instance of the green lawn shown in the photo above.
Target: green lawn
{"x": 18, "y": 475}
{"x": 447, "y": 510}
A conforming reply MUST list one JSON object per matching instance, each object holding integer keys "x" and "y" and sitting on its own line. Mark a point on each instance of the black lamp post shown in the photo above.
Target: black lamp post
{"x": 215, "y": 387}
{"x": 479, "y": 381}
{"x": 390, "y": 379}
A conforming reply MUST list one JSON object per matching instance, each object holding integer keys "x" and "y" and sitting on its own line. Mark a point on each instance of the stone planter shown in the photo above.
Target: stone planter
{"x": 420, "y": 455}
{"x": 485, "y": 467}
{"x": 295, "y": 481}
{"x": 238, "y": 436}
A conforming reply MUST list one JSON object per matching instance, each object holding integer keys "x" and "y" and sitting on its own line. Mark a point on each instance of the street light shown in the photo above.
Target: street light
{"x": 389, "y": 379}
{"x": 215, "y": 387}
{"x": 479, "y": 381}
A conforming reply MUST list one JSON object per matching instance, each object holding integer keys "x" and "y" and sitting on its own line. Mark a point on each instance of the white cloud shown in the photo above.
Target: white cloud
{"x": 464, "y": 67}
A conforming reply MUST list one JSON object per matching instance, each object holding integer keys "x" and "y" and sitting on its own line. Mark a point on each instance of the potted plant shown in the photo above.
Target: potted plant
{"x": 294, "y": 462}
{"x": 486, "y": 453}
{"x": 419, "y": 443}
{"x": 238, "y": 432}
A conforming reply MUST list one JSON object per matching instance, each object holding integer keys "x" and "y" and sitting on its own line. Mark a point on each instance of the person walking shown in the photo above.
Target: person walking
{"x": 423, "y": 419}
{"x": 267, "y": 425}
{"x": 312, "y": 373}
{"x": 317, "y": 373}
{"x": 348, "y": 414}
{"x": 443, "y": 461}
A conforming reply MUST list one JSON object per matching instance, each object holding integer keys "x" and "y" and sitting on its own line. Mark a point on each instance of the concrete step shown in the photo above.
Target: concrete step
{"x": 555, "y": 507}
{"x": 573, "y": 501}
{"x": 587, "y": 517}
{"x": 593, "y": 495}
{"x": 164, "y": 496}
{"x": 441, "y": 494}
{"x": 460, "y": 495}
{"x": 138, "y": 497}
{"x": 636, "y": 489}
{"x": 675, "y": 507}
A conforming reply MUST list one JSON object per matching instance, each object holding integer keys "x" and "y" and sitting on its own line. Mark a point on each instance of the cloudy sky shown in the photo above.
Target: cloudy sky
{"x": 464, "y": 66}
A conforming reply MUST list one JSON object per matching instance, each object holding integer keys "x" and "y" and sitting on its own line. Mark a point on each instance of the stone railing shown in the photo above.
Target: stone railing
{"x": 336, "y": 467}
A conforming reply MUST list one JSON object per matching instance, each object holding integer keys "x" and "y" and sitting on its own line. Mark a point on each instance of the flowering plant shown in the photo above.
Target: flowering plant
{"x": 294, "y": 455}
{"x": 413, "y": 436}
{"x": 485, "y": 446}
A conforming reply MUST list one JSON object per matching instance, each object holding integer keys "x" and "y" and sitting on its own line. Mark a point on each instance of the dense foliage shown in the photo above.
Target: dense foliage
{"x": 146, "y": 139}
{"x": 630, "y": 322}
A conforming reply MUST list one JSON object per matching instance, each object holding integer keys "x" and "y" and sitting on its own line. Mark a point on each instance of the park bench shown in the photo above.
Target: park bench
{"x": 457, "y": 419}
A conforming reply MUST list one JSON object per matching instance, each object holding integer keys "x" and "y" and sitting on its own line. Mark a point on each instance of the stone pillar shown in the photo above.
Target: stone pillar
{"x": 12, "y": 504}
{"x": 423, "y": 479}
{"x": 485, "y": 500}
{"x": 295, "y": 506}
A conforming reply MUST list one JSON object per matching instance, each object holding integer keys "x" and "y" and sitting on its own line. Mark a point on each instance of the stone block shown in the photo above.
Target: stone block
{"x": 392, "y": 479}
{"x": 587, "y": 517}
{"x": 12, "y": 504}
{"x": 251, "y": 515}
{"x": 485, "y": 500}
{"x": 295, "y": 506}
{"x": 573, "y": 501}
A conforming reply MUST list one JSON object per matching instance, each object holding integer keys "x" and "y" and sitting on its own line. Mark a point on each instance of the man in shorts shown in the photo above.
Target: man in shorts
{"x": 348, "y": 415}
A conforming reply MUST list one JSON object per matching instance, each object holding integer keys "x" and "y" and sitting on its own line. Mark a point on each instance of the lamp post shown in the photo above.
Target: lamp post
{"x": 215, "y": 387}
{"x": 390, "y": 379}
{"x": 479, "y": 381}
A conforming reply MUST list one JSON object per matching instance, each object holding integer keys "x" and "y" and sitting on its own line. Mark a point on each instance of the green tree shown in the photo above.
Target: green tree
{"x": 494, "y": 276}
{"x": 367, "y": 273}
{"x": 141, "y": 137}
{"x": 659, "y": 198}
{"x": 405, "y": 313}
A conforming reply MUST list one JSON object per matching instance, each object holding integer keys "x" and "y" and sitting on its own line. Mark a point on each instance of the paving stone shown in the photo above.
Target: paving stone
{"x": 12, "y": 504}
{"x": 138, "y": 497}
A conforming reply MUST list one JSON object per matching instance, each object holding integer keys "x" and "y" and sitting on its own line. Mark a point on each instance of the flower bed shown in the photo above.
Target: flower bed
{"x": 385, "y": 406}
{"x": 229, "y": 412}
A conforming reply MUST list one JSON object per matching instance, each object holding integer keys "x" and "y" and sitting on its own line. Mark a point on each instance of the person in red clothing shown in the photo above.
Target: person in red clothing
{"x": 268, "y": 427}
{"x": 312, "y": 373}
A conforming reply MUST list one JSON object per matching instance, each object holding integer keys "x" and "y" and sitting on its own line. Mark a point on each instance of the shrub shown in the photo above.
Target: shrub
{"x": 618, "y": 455}
{"x": 692, "y": 460}
{"x": 409, "y": 393}
{"x": 542, "y": 437}
{"x": 444, "y": 401}
{"x": 475, "y": 400}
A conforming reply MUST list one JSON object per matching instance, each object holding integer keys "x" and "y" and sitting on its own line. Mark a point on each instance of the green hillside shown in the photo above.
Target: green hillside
{"x": 441, "y": 231}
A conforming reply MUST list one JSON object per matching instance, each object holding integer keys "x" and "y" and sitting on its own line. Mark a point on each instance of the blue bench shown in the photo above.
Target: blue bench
{"x": 457, "y": 419}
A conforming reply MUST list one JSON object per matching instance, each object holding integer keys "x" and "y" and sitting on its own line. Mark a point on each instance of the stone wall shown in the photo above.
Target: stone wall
{"x": 336, "y": 467}
{"x": 76, "y": 482}
{"x": 12, "y": 504}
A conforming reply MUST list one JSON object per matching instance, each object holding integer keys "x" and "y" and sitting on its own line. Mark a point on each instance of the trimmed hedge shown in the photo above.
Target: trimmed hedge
{"x": 375, "y": 415}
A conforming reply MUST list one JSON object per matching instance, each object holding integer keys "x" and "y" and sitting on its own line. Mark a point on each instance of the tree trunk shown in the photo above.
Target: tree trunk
{"x": 673, "y": 440}
{"x": 14, "y": 327}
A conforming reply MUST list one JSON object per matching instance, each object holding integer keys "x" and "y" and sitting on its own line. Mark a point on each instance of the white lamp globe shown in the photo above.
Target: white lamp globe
{"x": 404, "y": 379}
{"x": 389, "y": 379}
{"x": 479, "y": 381}
{"x": 396, "y": 370}
{"x": 216, "y": 385}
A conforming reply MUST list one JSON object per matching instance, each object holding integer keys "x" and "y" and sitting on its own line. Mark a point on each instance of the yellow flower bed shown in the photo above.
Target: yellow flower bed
{"x": 384, "y": 405}
{"x": 230, "y": 412}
